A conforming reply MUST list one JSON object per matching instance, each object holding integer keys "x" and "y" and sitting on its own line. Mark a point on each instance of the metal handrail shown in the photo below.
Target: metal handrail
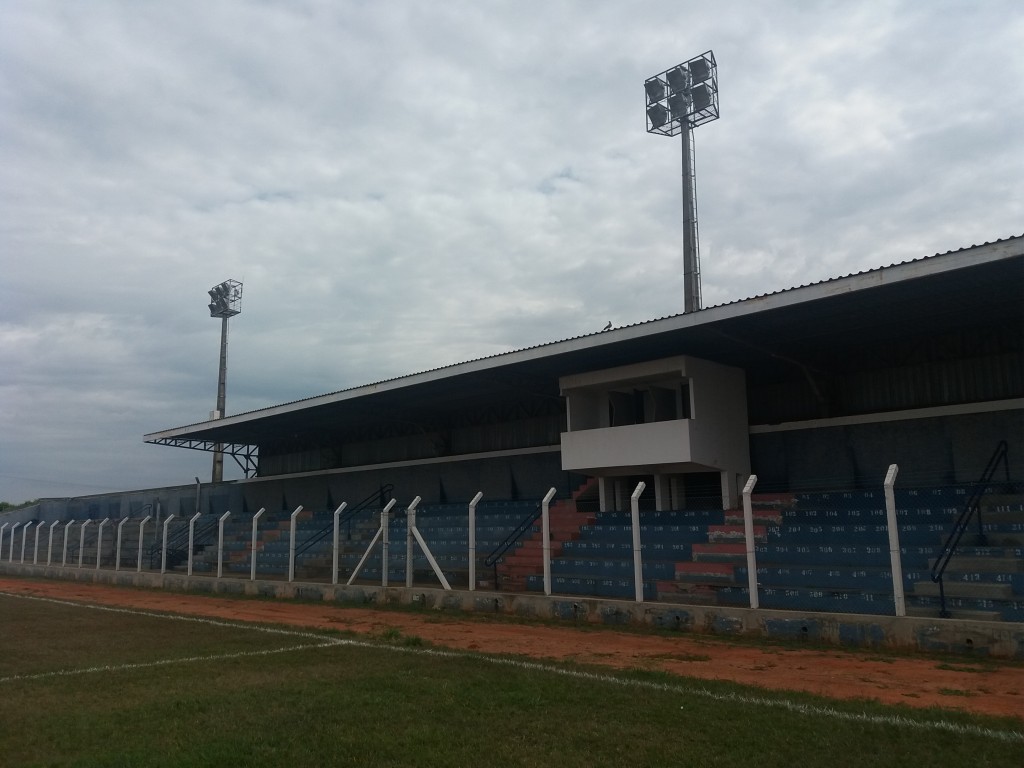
{"x": 972, "y": 507}
{"x": 177, "y": 545}
{"x": 368, "y": 503}
{"x": 90, "y": 539}
{"x": 516, "y": 534}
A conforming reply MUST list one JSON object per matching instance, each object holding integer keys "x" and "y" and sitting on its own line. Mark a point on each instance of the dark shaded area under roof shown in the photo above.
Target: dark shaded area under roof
{"x": 840, "y": 327}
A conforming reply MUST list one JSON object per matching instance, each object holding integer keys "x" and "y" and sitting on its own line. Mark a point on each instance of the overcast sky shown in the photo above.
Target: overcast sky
{"x": 405, "y": 185}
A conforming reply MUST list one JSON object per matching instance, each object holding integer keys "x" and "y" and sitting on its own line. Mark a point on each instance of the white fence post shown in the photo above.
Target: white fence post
{"x": 64, "y": 557}
{"x": 220, "y": 543}
{"x": 24, "y": 538}
{"x": 49, "y": 546}
{"x": 99, "y": 542}
{"x": 291, "y": 545}
{"x": 410, "y": 526}
{"x": 382, "y": 532}
{"x": 894, "y": 541}
{"x": 638, "y": 564}
{"x": 546, "y": 543}
{"x": 10, "y": 551}
{"x": 191, "y": 534}
{"x": 430, "y": 559}
{"x": 252, "y": 553}
{"x": 117, "y": 557}
{"x": 334, "y": 559}
{"x": 81, "y": 541}
{"x": 385, "y": 536}
{"x": 142, "y": 528}
{"x": 472, "y": 539}
{"x": 163, "y": 551}
{"x": 748, "y": 535}
{"x": 2, "y": 527}
{"x": 35, "y": 548}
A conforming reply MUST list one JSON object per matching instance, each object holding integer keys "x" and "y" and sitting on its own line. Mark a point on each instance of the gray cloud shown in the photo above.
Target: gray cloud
{"x": 402, "y": 186}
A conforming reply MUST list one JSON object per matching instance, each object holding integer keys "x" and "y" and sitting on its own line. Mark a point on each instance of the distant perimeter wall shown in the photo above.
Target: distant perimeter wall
{"x": 996, "y": 639}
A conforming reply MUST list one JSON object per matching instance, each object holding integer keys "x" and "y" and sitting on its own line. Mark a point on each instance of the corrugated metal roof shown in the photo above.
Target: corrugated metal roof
{"x": 613, "y": 332}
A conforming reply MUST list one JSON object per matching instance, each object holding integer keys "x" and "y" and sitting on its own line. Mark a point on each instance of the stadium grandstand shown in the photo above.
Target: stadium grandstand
{"x": 796, "y": 405}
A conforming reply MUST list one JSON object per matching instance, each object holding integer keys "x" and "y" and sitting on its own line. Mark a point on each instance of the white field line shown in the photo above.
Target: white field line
{"x": 161, "y": 663}
{"x": 171, "y": 617}
{"x": 770, "y": 702}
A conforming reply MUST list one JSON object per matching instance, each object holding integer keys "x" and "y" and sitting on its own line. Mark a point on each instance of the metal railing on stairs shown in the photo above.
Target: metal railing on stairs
{"x": 511, "y": 540}
{"x": 375, "y": 500}
{"x": 972, "y": 508}
{"x": 177, "y": 545}
{"x": 82, "y": 545}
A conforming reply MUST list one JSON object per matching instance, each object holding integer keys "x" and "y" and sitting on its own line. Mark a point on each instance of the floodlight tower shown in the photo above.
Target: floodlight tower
{"x": 225, "y": 302}
{"x": 678, "y": 100}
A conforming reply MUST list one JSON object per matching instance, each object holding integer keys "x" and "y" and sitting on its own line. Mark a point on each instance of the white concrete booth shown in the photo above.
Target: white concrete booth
{"x": 664, "y": 418}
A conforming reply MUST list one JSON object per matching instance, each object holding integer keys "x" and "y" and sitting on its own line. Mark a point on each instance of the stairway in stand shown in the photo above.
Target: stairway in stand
{"x": 981, "y": 572}
{"x": 527, "y": 559}
{"x": 714, "y": 564}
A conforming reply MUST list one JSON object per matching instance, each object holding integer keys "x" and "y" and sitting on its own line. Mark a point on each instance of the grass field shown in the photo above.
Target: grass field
{"x": 88, "y": 686}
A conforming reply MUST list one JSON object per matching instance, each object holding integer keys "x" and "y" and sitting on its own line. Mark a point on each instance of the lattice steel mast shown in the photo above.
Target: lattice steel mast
{"x": 225, "y": 302}
{"x": 678, "y": 100}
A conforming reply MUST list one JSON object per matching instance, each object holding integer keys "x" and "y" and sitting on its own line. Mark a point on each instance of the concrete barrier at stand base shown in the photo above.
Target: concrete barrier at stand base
{"x": 978, "y": 638}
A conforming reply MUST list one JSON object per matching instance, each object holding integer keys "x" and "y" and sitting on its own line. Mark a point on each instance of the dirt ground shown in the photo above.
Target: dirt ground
{"x": 972, "y": 685}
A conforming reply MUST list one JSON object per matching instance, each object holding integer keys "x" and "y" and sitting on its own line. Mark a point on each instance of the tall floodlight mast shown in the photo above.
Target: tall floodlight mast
{"x": 678, "y": 100}
{"x": 225, "y": 302}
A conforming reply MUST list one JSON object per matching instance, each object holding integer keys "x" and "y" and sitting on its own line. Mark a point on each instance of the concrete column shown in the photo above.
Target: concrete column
{"x": 620, "y": 496}
{"x": 729, "y": 496}
{"x": 662, "y": 493}
{"x": 678, "y": 494}
{"x": 603, "y": 493}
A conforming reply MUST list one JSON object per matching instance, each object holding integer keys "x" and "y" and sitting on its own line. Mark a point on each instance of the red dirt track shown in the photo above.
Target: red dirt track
{"x": 972, "y": 685}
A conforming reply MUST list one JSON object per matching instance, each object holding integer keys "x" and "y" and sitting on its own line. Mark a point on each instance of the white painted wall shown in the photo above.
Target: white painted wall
{"x": 714, "y": 438}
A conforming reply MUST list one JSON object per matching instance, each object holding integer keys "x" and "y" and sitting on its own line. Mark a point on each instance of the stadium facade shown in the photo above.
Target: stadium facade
{"x": 816, "y": 390}
{"x": 822, "y": 386}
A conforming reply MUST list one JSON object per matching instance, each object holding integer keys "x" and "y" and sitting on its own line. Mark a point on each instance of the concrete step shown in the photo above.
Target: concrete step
{"x": 772, "y": 500}
{"x": 761, "y": 516}
{"x": 720, "y": 552}
{"x": 672, "y": 592}
{"x": 932, "y": 612}
{"x": 982, "y": 589}
{"x": 976, "y": 564}
{"x": 519, "y": 569}
{"x": 733, "y": 533}
{"x": 705, "y": 573}
{"x": 1004, "y": 538}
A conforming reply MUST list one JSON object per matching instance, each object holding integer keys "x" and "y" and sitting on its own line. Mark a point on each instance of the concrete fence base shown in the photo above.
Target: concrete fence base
{"x": 978, "y": 638}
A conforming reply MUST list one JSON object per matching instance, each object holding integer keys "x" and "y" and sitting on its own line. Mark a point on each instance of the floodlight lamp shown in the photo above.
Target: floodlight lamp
{"x": 225, "y": 299}
{"x": 655, "y": 90}
{"x": 700, "y": 70}
{"x": 702, "y": 97}
{"x": 690, "y": 96}
{"x": 658, "y": 115}
{"x": 678, "y": 79}
{"x": 679, "y": 103}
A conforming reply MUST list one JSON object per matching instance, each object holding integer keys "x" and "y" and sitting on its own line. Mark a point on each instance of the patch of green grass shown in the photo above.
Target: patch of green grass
{"x": 41, "y": 637}
{"x": 978, "y": 668}
{"x": 394, "y": 703}
{"x": 680, "y": 656}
